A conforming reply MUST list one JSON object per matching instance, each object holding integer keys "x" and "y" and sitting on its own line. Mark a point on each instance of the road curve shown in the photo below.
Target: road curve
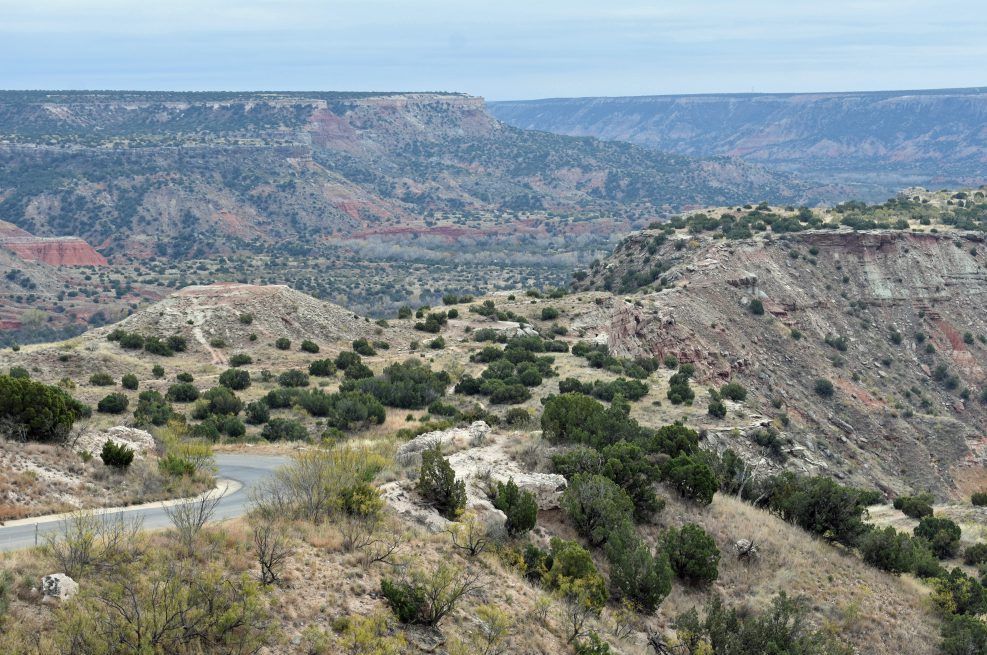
{"x": 245, "y": 469}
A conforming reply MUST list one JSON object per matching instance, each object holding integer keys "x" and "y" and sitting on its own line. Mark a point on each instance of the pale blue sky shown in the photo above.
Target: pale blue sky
{"x": 501, "y": 50}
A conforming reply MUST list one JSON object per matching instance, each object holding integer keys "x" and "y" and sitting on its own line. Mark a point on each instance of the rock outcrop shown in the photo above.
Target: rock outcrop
{"x": 139, "y": 441}
{"x": 58, "y": 587}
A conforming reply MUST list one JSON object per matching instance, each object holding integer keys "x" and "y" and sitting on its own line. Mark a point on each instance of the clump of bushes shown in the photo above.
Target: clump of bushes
{"x": 309, "y": 346}
{"x": 323, "y": 368}
{"x": 679, "y": 391}
{"x": 916, "y": 507}
{"x": 363, "y": 347}
{"x": 406, "y": 385}
{"x": 283, "y": 343}
{"x": 284, "y": 429}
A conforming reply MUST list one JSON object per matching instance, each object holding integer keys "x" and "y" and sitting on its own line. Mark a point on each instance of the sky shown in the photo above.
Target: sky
{"x": 501, "y": 50}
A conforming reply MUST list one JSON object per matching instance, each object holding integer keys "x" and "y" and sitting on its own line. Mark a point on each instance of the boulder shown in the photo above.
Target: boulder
{"x": 57, "y": 587}
{"x": 139, "y": 441}
{"x": 410, "y": 453}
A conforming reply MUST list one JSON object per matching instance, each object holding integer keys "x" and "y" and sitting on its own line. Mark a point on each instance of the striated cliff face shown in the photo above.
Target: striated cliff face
{"x": 893, "y": 319}
{"x": 58, "y": 251}
{"x": 879, "y": 141}
{"x": 189, "y": 175}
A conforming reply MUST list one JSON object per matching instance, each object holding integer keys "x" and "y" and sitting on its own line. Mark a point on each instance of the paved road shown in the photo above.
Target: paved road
{"x": 245, "y": 470}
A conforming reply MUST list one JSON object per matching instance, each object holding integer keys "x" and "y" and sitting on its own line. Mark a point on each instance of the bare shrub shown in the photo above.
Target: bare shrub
{"x": 188, "y": 517}
{"x": 94, "y": 541}
{"x": 469, "y": 534}
{"x": 272, "y": 549}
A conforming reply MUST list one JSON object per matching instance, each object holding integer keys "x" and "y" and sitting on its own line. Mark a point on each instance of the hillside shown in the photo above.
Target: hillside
{"x": 184, "y": 175}
{"x": 875, "y": 142}
{"x": 328, "y": 585}
{"x": 892, "y": 318}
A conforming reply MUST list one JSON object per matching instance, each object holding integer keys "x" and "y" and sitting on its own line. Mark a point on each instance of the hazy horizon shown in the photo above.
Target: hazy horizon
{"x": 511, "y": 51}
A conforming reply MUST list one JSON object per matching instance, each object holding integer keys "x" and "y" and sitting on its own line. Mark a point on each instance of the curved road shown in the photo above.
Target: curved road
{"x": 245, "y": 470}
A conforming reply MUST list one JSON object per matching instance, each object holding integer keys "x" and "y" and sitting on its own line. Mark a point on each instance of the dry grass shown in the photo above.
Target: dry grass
{"x": 875, "y": 611}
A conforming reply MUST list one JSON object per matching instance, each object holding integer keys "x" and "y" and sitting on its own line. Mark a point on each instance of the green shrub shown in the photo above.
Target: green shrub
{"x": 549, "y": 313}
{"x": 693, "y": 554}
{"x": 185, "y": 377}
{"x": 284, "y": 429}
{"x": 101, "y": 379}
{"x": 246, "y": 319}
{"x": 888, "y": 550}
{"x": 129, "y": 381}
{"x": 569, "y": 569}
{"x": 362, "y": 347}
{"x": 958, "y": 593}
{"x": 636, "y": 573}
{"x": 322, "y": 368}
{"x": 182, "y": 392}
{"x": 717, "y": 409}
{"x": 309, "y": 346}
{"x": 916, "y": 507}
{"x": 152, "y": 409}
{"x": 116, "y": 455}
{"x": 257, "y": 412}
{"x": 963, "y": 635}
{"x": 220, "y": 401}
{"x": 693, "y": 478}
{"x": 823, "y": 387}
{"x": 942, "y": 533}
{"x": 283, "y": 343}
{"x": 975, "y": 554}
{"x": 241, "y": 359}
{"x": 596, "y": 506}
{"x": 404, "y": 599}
{"x": 114, "y": 403}
{"x": 756, "y": 307}
{"x": 679, "y": 391}
{"x": 979, "y": 499}
{"x": 438, "y": 485}
{"x": 293, "y": 378}
{"x": 519, "y": 507}
{"x": 346, "y": 359}
{"x": 438, "y": 343}
{"x": 817, "y": 504}
{"x": 784, "y": 630}
{"x": 158, "y": 371}
{"x": 734, "y": 391}
{"x": 235, "y": 379}
{"x": 407, "y": 385}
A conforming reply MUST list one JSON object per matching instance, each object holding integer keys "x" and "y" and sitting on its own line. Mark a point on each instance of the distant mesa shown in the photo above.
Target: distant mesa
{"x": 54, "y": 251}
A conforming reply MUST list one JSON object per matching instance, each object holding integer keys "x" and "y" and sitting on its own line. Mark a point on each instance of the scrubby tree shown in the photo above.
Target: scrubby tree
{"x": 636, "y": 573}
{"x": 235, "y": 378}
{"x": 942, "y": 533}
{"x": 36, "y": 411}
{"x": 518, "y": 506}
{"x": 114, "y": 403}
{"x": 596, "y": 506}
{"x": 438, "y": 485}
{"x": 692, "y": 554}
